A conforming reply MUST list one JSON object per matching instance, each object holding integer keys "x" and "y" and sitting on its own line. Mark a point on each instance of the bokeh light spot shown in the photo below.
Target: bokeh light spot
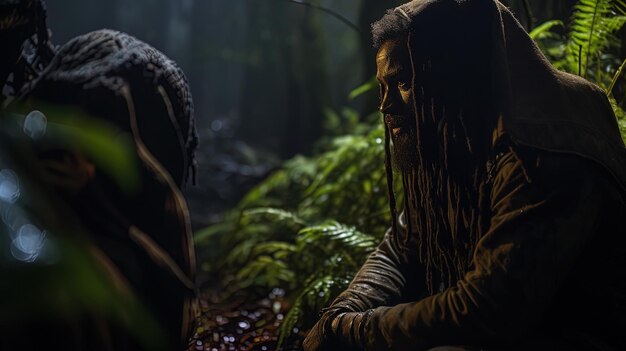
{"x": 28, "y": 243}
{"x": 35, "y": 124}
{"x": 9, "y": 186}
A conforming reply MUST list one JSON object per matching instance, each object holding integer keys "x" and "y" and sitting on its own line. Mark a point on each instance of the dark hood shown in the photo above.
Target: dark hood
{"x": 483, "y": 45}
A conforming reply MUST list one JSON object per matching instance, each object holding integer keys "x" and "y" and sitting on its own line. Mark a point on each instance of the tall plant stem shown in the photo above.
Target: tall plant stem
{"x": 580, "y": 60}
{"x": 609, "y": 91}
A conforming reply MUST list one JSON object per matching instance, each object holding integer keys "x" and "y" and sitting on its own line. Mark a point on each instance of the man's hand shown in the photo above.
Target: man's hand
{"x": 337, "y": 330}
{"x": 321, "y": 337}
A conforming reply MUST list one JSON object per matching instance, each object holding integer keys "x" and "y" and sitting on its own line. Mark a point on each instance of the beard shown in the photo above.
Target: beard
{"x": 404, "y": 155}
{"x": 439, "y": 142}
{"x": 442, "y": 174}
{"x": 405, "y": 150}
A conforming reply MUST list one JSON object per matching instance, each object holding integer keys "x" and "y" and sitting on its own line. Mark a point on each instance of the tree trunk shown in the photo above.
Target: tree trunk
{"x": 285, "y": 89}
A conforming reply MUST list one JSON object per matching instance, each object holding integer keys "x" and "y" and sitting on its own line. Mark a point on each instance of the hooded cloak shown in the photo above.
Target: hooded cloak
{"x": 539, "y": 106}
{"x": 146, "y": 233}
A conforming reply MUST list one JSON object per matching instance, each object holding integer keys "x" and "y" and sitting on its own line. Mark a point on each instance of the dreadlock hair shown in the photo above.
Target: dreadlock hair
{"x": 445, "y": 195}
{"x": 392, "y": 25}
{"x": 389, "y": 171}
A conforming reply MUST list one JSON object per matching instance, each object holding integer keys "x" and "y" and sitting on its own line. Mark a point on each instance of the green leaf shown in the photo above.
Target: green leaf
{"x": 275, "y": 214}
{"x": 545, "y": 28}
{"x": 370, "y": 85}
{"x": 609, "y": 91}
{"x": 592, "y": 27}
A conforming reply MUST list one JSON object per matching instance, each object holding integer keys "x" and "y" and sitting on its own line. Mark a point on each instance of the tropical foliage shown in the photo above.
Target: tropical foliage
{"x": 308, "y": 227}
{"x": 589, "y": 46}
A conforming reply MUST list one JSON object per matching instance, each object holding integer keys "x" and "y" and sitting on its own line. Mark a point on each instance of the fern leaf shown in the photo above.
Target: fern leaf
{"x": 609, "y": 91}
{"x": 316, "y": 294}
{"x": 278, "y": 249}
{"x": 265, "y": 271}
{"x": 289, "y": 322}
{"x": 360, "y": 90}
{"x": 333, "y": 235}
{"x": 593, "y": 27}
{"x": 544, "y": 29}
{"x": 275, "y": 215}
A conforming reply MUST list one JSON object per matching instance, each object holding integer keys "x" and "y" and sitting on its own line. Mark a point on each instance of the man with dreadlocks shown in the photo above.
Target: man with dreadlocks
{"x": 514, "y": 178}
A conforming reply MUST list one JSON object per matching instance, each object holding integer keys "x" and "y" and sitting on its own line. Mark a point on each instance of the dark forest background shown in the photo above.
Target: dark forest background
{"x": 264, "y": 74}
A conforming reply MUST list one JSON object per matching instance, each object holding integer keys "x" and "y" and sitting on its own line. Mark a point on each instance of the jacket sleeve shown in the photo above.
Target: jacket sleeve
{"x": 391, "y": 272}
{"x": 537, "y": 230}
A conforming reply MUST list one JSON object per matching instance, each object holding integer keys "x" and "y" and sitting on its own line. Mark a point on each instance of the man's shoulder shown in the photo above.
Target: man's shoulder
{"x": 573, "y": 117}
{"x": 545, "y": 170}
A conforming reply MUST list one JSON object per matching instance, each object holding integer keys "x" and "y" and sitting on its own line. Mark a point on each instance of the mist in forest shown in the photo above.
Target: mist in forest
{"x": 264, "y": 74}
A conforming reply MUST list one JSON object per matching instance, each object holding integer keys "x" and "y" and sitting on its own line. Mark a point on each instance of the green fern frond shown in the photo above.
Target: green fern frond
{"x": 593, "y": 26}
{"x": 545, "y": 30}
{"x": 289, "y": 322}
{"x": 240, "y": 253}
{"x": 609, "y": 90}
{"x": 332, "y": 236}
{"x": 275, "y": 215}
{"x": 242, "y": 244}
{"x": 351, "y": 183}
{"x": 295, "y": 176}
{"x": 317, "y": 293}
{"x": 370, "y": 85}
{"x": 276, "y": 249}
{"x": 209, "y": 234}
{"x": 591, "y": 45}
{"x": 265, "y": 271}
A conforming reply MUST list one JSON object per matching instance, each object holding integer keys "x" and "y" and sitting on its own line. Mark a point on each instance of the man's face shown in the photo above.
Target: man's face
{"x": 394, "y": 74}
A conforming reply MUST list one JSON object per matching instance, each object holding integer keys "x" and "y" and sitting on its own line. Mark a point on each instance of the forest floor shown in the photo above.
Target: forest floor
{"x": 241, "y": 322}
{"x": 242, "y": 325}
{"x": 227, "y": 169}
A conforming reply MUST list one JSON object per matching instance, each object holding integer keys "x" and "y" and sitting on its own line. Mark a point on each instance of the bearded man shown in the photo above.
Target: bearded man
{"x": 514, "y": 178}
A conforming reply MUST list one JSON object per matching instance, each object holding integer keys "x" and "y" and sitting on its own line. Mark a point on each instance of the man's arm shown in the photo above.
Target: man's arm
{"x": 538, "y": 230}
{"x": 390, "y": 273}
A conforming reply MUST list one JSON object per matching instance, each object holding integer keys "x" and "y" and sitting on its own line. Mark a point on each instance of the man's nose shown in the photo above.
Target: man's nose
{"x": 389, "y": 102}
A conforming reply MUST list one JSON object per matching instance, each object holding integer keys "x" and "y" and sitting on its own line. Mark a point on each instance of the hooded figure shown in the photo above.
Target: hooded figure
{"x": 145, "y": 234}
{"x": 514, "y": 178}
